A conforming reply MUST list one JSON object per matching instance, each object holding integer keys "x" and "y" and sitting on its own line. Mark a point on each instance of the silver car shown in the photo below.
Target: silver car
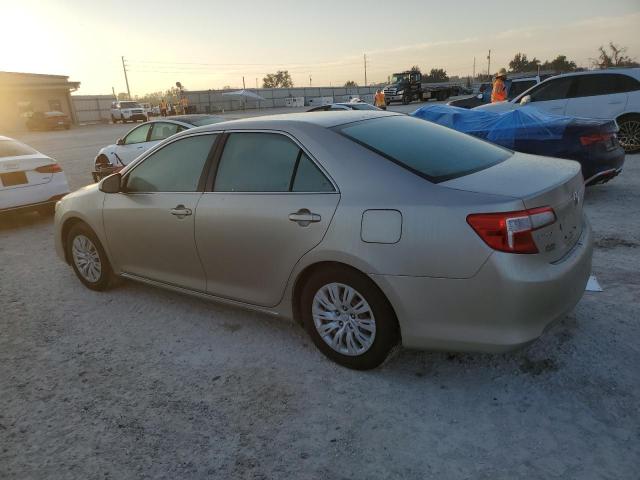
{"x": 369, "y": 228}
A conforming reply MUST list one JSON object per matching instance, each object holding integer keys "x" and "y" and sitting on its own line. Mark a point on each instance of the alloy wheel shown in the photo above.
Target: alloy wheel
{"x": 86, "y": 258}
{"x": 343, "y": 319}
{"x": 629, "y": 135}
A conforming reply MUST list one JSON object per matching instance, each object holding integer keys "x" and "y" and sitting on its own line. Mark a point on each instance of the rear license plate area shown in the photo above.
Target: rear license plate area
{"x": 13, "y": 178}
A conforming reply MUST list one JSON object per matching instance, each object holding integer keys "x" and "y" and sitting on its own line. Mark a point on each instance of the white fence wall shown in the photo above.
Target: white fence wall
{"x": 92, "y": 108}
{"x": 207, "y": 101}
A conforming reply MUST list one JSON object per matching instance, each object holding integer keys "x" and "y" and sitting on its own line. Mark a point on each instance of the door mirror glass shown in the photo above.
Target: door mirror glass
{"x": 111, "y": 184}
{"x": 526, "y": 99}
{"x": 479, "y": 96}
{"x": 119, "y": 141}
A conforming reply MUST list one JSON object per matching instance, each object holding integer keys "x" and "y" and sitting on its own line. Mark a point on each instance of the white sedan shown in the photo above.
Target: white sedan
{"x": 29, "y": 180}
{"x": 113, "y": 157}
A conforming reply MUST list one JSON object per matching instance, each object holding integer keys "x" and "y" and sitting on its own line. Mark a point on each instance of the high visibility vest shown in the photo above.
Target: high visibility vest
{"x": 499, "y": 92}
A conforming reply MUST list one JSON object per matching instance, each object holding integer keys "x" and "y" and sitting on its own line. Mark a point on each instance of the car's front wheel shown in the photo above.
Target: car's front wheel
{"x": 348, "y": 318}
{"x": 88, "y": 258}
{"x": 629, "y": 134}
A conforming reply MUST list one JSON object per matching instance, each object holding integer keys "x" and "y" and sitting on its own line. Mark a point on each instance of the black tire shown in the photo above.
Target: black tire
{"x": 629, "y": 134}
{"x": 106, "y": 277}
{"x": 386, "y": 325}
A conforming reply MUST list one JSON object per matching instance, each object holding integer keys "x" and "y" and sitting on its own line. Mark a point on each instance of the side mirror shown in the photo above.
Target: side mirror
{"x": 526, "y": 99}
{"x": 120, "y": 141}
{"x": 111, "y": 184}
{"x": 479, "y": 96}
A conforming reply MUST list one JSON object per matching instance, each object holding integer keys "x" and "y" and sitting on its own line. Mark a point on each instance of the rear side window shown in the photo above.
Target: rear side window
{"x": 434, "y": 152}
{"x": 267, "y": 162}
{"x": 10, "y": 148}
{"x": 604, "y": 84}
{"x": 162, "y": 130}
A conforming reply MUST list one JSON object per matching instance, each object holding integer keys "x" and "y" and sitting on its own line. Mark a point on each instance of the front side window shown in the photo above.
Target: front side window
{"x": 177, "y": 167}
{"x": 163, "y": 130}
{"x": 267, "y": 162}
{"x": 519, "y": 87}
{"x": 434, "y": 152}
{"x": 137, "y": 135}
{"x": 556, "y": 89}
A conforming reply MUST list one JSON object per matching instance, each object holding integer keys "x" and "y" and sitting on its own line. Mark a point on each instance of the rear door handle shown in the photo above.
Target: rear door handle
{"x": 180, "y": 211}
{"x": 304, "y": 217}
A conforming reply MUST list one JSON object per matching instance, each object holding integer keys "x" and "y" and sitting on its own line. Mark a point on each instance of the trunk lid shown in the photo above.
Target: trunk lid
{"x": 20, "y": 171}
{"x": 538, "y": 182}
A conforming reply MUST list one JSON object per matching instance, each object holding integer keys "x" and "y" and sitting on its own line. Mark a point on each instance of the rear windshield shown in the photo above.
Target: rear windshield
{"x": 11, "y": 148}
{"x": 434, "y": 152}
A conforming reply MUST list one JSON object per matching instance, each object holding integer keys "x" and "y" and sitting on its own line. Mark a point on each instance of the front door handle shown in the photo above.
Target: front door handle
{"x": 180, "y": 211}
{"x": 304, "y": 217}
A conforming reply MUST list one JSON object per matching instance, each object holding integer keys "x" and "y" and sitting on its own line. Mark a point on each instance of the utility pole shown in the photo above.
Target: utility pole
{"x": 309, "y": 79}
{"x": 474, "y": 68}
{"x": 365, "y": 70}
{"x": 489, "y": 63}
{"x": 124, "y": 68}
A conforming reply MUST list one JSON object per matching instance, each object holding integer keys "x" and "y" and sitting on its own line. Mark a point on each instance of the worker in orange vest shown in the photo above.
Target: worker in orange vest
{"x": 499, "y": 92}
{"x": 379, "y": 100}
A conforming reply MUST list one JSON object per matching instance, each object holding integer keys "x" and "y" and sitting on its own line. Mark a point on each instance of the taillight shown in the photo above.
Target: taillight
{"x": 596, "y": 138}
{"x": 511, "y": 231}
{"x": 51, "y": 168}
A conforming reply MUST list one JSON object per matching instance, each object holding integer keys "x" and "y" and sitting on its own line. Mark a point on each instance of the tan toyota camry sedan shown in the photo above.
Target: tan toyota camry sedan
{"x": 369, "y": 228}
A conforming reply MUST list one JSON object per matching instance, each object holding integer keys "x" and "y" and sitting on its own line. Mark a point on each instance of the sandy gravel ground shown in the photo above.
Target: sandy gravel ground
{"x": 140, "y": 383}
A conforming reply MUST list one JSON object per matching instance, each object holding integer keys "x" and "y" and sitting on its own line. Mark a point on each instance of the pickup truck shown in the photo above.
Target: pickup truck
{"x": 407, "y": 86}
{"x": 514, "y": 88}
{"x": 127, "y": 111}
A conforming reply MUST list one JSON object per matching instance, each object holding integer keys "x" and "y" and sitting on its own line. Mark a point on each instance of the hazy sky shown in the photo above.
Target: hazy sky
{"x": 209, "y": 43}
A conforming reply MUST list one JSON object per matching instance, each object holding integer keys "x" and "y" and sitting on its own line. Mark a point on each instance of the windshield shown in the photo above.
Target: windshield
{"x": 434, "y": 152}
{"x": 11, "y": 148}
{"x": 399, "y": 77}
{"x": 129, "y": 105}
{"x": 362, "y": 106}
{"x": 199, "y": 122}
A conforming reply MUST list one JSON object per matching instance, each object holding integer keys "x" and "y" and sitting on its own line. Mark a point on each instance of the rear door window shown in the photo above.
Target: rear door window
{"x": 434, "y": 152}
{"x": 267, "y": 162}
{"x": 604, "y": 84}
{"x": 163, "y": 130}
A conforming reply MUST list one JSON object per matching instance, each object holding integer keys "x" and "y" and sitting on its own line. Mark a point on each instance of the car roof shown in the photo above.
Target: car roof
{"x": 327, "y": 120}
{"x": 190, "y": 118}
{"x": 631, "y": 71}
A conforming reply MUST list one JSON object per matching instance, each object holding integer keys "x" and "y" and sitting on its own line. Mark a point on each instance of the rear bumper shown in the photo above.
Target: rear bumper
{"x": 507, "y": 304}
{"x": 31, "y": 197}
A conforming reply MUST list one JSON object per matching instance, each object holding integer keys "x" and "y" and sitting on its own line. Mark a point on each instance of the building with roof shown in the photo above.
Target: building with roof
{"x": 24, "y": 93}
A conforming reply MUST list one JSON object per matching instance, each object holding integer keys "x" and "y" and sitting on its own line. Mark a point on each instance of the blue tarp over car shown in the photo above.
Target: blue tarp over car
{"x": 591, "y": 142}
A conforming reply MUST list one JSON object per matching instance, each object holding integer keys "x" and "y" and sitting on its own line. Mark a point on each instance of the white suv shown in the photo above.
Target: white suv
{"x": 127, "y": 112}
{"x": 608, "y": 94}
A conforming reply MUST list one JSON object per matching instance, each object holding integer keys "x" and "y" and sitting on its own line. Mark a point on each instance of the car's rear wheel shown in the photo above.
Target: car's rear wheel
{"x": 629, "y": 134}
{"x": 348, "y": 318}
{"x": 88, "y": 258}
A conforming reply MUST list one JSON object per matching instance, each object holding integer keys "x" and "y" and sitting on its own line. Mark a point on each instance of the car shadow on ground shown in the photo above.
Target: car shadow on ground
{"x": 16, "y": 220}
{"x": 541, "y": 357}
